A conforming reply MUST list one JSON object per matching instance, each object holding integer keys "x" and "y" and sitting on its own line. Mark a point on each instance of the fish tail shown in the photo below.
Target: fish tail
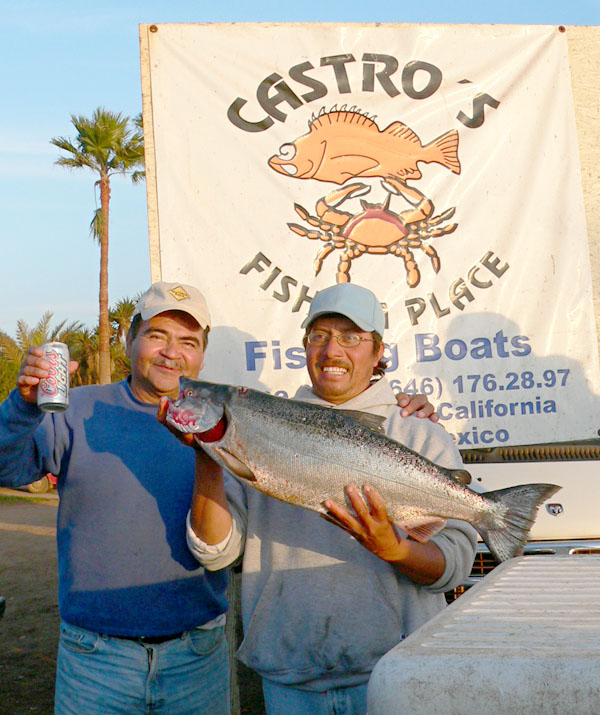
{"x": 522, "y": 503}
{"x": 444, "y": 151}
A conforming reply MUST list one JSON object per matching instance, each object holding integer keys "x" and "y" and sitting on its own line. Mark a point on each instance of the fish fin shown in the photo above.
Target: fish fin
{"x": 410, "y": 172}
{"x": 353, "y": 117}
{"x": 422, "y": 531}
{"x": 446, "y": 150}
{"x": 366, "y": 419}
{"x": 522, "y": 503}
{"x": 226, "y": 460}
{"x": 335, "y": 116}
{"x": 460, "y": 476}
{"x": 401, "y": 131}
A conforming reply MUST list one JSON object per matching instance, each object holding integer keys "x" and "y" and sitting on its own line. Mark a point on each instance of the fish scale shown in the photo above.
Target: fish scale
{"x": 305, "y": 454}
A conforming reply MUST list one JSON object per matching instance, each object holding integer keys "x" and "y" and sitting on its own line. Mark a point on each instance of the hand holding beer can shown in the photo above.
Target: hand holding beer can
{"x": 53, "y": 391}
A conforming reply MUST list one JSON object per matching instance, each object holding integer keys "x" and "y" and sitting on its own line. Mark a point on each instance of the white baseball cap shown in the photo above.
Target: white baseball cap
{"x": 161, "y": 297}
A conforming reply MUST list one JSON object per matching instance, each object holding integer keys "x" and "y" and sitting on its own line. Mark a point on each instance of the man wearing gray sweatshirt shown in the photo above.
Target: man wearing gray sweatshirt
{"x": 321, "y": 604}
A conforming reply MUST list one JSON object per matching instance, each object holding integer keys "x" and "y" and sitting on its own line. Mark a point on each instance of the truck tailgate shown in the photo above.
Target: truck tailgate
{"x": 524, "y": 640}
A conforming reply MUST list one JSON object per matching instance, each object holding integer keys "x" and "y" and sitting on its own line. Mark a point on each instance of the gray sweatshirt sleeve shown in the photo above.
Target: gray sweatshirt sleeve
{"x": 458, "y": 542}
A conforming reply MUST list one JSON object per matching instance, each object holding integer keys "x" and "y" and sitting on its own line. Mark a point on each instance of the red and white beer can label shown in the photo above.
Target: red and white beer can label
{"x": 53, "y": 391}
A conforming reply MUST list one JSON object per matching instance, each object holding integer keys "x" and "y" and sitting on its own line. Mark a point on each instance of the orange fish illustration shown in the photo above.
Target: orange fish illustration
{"x": 344, "y": 144}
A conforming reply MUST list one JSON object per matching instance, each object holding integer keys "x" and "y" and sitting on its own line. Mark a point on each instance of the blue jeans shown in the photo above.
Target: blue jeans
{"x": 98, "y": 675}
{"x": 286, "y": 700}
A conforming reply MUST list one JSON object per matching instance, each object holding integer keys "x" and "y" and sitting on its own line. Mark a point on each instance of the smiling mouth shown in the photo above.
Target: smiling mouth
{"x": 171, "y": 368}
{"x": 334, "y": 370}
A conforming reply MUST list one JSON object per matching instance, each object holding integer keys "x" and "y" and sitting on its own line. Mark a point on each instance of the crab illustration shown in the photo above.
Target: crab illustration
{"x": 375, "y": 229}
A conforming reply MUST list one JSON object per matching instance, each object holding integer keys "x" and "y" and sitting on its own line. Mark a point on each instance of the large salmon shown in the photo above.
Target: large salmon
{"x": 304, "y": 454}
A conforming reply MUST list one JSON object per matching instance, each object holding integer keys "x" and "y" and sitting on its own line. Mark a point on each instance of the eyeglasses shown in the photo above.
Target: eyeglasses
{"x": 345, "y": 340}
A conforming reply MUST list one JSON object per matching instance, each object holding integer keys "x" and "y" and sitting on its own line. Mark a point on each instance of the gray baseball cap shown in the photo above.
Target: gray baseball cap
{"x": 352, "y": 301}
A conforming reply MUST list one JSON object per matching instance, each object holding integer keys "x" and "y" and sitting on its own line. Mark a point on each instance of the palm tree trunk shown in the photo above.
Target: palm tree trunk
{"x": 104, "y": 375}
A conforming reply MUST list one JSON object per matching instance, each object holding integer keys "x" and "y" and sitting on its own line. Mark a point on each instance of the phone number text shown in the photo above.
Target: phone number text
{"x": 526, "y": 380}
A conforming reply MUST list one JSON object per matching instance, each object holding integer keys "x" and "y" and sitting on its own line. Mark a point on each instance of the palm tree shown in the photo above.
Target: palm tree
{"x": 84, "y": 349}
{"x": 120, "y": 316}
{"x": 107, "y": 145}
{"x": 14, "y": 350}
{"x": 8, "y": 377}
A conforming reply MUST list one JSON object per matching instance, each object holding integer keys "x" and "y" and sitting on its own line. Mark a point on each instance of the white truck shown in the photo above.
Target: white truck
{"x": 569, "y": 524}
{"x": 525, "y": 640}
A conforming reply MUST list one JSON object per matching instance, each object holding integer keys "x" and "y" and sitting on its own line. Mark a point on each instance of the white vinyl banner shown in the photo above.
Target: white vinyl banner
{"x": 435, "y": 164}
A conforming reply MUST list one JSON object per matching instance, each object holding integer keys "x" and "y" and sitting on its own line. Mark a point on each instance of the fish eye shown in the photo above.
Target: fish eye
{"x": 189, "y": 393}
{"x": 287, "y": 151}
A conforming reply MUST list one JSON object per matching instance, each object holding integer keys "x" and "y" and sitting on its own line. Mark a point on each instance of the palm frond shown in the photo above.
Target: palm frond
{"x": 65, "y": 332}
{"x": 10, "y": 349}
{"x": 41, "y": 331}
{"x": 104, "y": 142}
{"x": 96, "y": 224}
{"x": 120, "y": 316}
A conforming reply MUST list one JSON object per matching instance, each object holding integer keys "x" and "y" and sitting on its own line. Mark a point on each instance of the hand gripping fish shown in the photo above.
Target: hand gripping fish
{"x": 304, "y": 454}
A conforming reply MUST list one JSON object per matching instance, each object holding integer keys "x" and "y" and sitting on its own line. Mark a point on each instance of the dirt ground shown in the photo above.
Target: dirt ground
{"x": 29, "y": 627}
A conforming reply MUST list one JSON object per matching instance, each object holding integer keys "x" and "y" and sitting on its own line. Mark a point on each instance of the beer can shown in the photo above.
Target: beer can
{"x": 53, "y": 391}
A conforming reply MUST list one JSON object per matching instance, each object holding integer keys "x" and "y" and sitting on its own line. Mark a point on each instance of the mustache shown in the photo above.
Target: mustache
{"x": 333, "y": 363}
{"x": 166, "y": 362}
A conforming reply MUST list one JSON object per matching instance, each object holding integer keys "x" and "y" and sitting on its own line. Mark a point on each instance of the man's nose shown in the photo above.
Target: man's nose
{"x": 333, "y": 348}
{"x": 172, "y": 349}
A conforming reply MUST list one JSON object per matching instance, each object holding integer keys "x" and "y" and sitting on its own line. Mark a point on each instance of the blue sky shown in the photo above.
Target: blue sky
{"x": 63, "y": 57}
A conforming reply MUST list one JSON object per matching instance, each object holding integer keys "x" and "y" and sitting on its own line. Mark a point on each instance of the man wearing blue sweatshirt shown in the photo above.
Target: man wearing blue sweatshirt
{"x": 141, "y": 620}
